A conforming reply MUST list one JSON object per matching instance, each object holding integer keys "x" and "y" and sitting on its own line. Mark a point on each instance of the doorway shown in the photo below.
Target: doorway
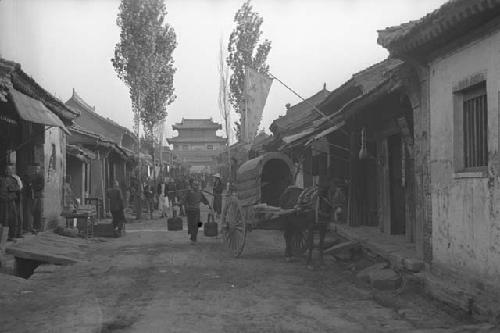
{"x": 397, "y": 192}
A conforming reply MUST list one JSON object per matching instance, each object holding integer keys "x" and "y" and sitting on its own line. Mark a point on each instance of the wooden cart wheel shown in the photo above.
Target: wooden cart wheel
{"x": 233, "y": 227}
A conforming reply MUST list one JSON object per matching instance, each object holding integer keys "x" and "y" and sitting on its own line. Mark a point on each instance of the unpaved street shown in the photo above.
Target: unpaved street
{"x": 154, "y": 281}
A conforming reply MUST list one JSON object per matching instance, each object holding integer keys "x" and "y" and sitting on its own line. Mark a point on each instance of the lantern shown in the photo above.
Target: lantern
{"x": 363, "y": 152}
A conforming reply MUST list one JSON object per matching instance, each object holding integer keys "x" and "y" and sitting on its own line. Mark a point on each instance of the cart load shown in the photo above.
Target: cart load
{"x": 264, "y": 179}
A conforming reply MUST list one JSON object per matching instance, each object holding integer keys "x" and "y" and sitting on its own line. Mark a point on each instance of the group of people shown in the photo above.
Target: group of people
{"x": 167, "y": 196}
{"x": 18, "y": 195}
{"x": 182, "y": 196}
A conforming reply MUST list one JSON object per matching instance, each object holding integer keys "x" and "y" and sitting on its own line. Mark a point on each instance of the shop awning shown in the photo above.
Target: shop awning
{"x": 326, "y": 132}
{"x": 34, "y": 111}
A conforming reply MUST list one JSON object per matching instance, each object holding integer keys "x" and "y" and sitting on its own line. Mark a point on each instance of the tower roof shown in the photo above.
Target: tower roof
{"x": 197, "y": 124}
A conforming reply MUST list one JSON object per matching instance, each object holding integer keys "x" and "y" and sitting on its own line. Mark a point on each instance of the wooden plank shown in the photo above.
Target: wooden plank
{"x": 410, "y": 201}
{"x": 385, "y": 201}
{"x": 342, "y": 246}
{"x": 380, "y": 185}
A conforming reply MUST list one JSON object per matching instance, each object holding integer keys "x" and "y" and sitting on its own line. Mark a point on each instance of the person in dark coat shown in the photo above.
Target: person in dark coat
{"x": 192, "y": 201}
{"x": 19, "y": 206}
{"x": 34, "y": 191}
{"x": 116, "y": 207}
{"x": 181, "y": 189}
{"x": 217, "y": 191}
{"x": 149, "y": 197}
{"x": 9, "y": 192}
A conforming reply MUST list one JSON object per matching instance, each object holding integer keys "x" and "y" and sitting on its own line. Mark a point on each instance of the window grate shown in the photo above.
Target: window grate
{"x": 475, "y": 113}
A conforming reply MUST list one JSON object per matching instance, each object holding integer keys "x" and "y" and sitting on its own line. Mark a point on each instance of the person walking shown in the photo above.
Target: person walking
{"x": 217, "y": 191}
{"x": 182, "y": 188}
{"x": 116, "y": 207}
{"x": 149, "y": 196}
{"x": 192, "y": 201}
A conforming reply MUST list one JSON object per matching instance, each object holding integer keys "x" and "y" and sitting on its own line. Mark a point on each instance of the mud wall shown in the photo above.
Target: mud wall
{"x": 465, "y": 205}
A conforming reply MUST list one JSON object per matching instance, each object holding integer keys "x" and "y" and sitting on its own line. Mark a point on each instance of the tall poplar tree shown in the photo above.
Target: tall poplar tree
{"x": 244, "y": 50}
{"x": 143, "y": 60}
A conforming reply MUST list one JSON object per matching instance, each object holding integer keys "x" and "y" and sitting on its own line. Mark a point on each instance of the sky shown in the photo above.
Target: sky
{"x": 68, "y": 44}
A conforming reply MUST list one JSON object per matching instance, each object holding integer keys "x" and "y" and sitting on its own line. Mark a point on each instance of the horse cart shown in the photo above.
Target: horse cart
{"x": 266, "y": 199}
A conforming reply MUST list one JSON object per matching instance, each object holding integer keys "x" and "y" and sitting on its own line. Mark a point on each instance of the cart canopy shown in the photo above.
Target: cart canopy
{"x": 264, "y": 179}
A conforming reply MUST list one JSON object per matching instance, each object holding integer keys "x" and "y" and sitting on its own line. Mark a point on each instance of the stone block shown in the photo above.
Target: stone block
{"x": 46, "y": 268}
{"x": 384, "y": 279}
{"x": 413, "y": 265}
{"x": 364, "y": 274}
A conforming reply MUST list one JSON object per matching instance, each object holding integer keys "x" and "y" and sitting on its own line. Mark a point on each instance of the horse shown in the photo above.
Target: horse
{"x": 311, "y": 214}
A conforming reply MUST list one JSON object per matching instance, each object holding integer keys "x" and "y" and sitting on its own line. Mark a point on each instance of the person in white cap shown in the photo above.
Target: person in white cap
{"x": 217, "y": 191}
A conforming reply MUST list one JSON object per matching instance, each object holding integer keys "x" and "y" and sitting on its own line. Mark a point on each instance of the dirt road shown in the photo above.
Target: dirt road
{"x": 154, "y": 281}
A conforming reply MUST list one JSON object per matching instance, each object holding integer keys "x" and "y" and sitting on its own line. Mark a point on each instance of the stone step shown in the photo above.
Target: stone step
{"x": 380, "y": 276}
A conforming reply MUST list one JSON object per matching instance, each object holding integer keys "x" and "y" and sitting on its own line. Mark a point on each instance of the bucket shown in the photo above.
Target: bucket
{"x": 210, "y": 229}
{"x": 174, "y": 223}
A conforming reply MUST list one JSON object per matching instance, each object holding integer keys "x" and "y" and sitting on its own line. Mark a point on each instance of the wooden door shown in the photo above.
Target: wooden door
{"x": 397, "y": 193}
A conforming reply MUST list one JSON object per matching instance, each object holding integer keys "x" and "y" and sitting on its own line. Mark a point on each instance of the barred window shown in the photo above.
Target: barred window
{"x": 475, "y": 127}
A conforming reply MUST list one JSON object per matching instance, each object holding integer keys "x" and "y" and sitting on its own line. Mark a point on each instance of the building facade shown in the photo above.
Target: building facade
{"x": 197, "y": 144}
{"x": 458, "y": 69}
{"x": 33, "y": 130}
{"x": 110, "y": 153}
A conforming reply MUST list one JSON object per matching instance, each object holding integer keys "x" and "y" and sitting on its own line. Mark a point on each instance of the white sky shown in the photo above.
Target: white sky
{"x": 67, "y": 44}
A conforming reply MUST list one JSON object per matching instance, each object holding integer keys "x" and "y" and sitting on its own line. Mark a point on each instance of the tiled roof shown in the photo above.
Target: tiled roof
{"x": 196, "y": 123}
{"x": 82, "y": 136}
{"x": 299, "y": 115}
{"x": 370, "y": 83}
{"x": 12, "y": 72}
{"x": 194, "y": 140}
{"x": 451, "y": 20}
{"x": 93, "y": 122}
{"x": 77, "y": 150}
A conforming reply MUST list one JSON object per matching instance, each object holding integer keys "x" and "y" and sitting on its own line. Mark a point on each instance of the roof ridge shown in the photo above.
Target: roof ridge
{"x": 378, "y": 64}
{"x": 306, "y": 100}
{"x": 394, "y": 34}
{"x": 77, "y": 98}
{"x": 92, "y": 111}
{"x": 9, "y": 64}
{"x": 17, "y": 74}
